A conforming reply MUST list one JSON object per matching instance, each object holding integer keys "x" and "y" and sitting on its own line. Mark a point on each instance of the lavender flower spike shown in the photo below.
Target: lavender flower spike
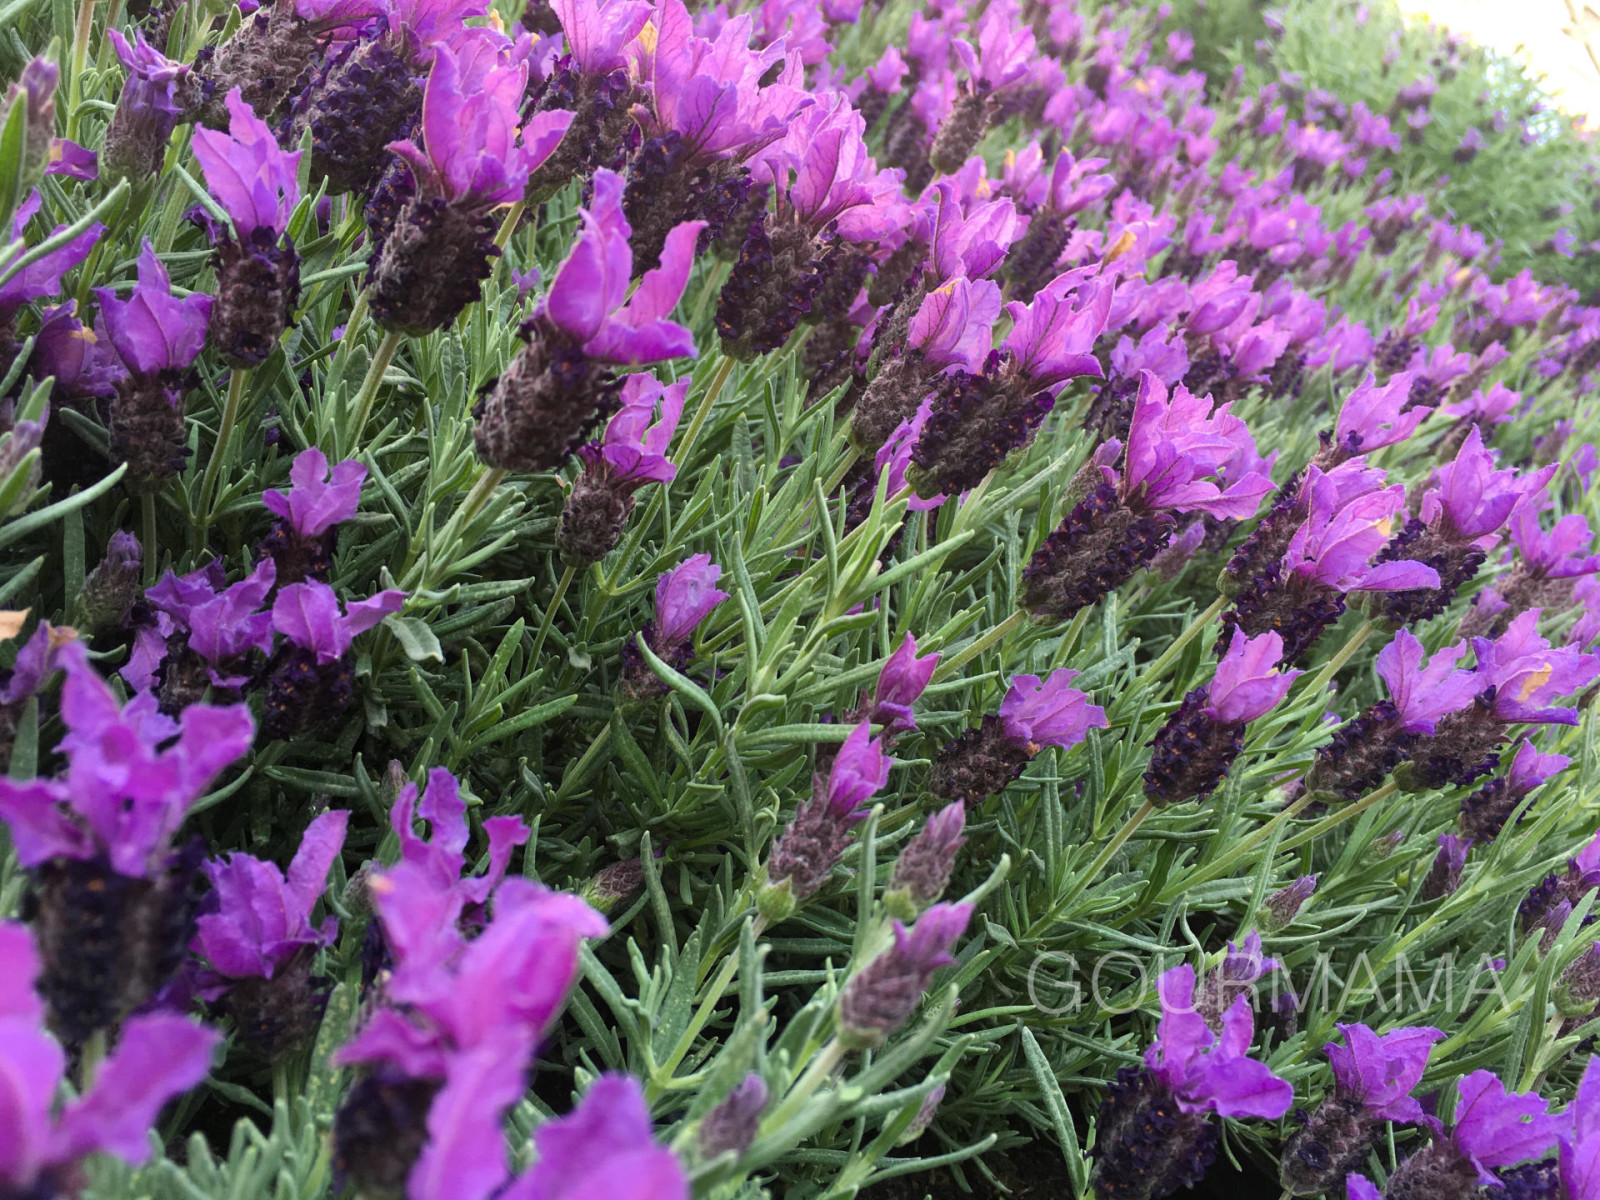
{"x": 311, "y": 678}
{"x": 881, "y": 996}
{"x": 809, "y": 846}
{"x": 604, "y": 1147}
{"x": 156, "y": 1058}
{"x": 1154, "y": 1138}
{"x": 152, "y": 101}
{"x": 1373, "y": 1078}
{"x": 473, "y": 158}
{"x": 302, "y": 539}
{"x": 1485, "y": 812}
{"x": 923, "y": 869}
{"x": 560, "y": 381}
{"x": 1035, "y": 713}
{"x": 631, "y": 453}
{"x": 157, "y": 336}
{"x": 258, "y": 279}
{"x": 732, "y": 1125}
{"x": 262, "y": 942}
{"x": 685, "y": 596}
{"x": 1195, "y": 748}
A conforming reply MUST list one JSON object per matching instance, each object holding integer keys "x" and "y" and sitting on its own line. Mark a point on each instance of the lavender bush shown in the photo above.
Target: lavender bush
{"x": 786, "y": 599}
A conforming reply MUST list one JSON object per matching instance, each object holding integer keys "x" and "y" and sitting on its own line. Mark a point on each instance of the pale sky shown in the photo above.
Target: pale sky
{"x": 1536, "y": 33}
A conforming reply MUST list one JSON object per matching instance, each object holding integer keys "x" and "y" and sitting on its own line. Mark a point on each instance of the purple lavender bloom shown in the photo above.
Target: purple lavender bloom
{"x": 1562, "y": 553}
{"x": 1048, "y": 713}
{"x": 1580, "y": 1148}
{"x": 1373, "y": 417}
{"x": 685, "y": 596}
{"x": 218, "y": 629}
{"x": 156, "y": 1058}
{"x": 1242, "y": 967}
{"x": 923, "y": 869}
{"x": 154, "y": 331}
{"x": 441, "y": 857}
{"x": 1335, "y": 545}
{"x": 1420, "y": 694}
{"x": 1284, "y": 904}
{"x": 251, "y": 177}
{"x": 1373, "y": 1077}
{"x": 41, "y": 279}
{"x": 151, "y": 103}
{"x": 302, "y": 539}
{"x": 83, "y": 366}
{"x": 954, "y": 323}
{"x": 126, "y": 790}
{"x": 809, "y": 846}
{"x": 1189, "y": 1071}
{"x": 35, "y": 93}
{"x": 309, "y": 616}
{"x": 1484, "y": 408}
{"x": 1473, "y": 500}
{"x": 264, "y": 917}
{"x": 1492, "y": 1128}
{"x": 903, "y": 678}
{"x": 732, "y": 1125}
{"x": 1248, "y": 683}
{"x": 604, "y": 1147}
{"x": 631, "y": 453}
{"x": 597, "y": 34}
{"x": 1526, "y": 673}
{"x": 1444, "y": 877}
{"x": 879, "y": 998}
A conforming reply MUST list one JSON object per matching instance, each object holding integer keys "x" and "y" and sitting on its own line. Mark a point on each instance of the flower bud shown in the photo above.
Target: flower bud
{"x": 922, "y": 871}
{"x": 111, "y": 588}
{"x": 731, "y": 1126}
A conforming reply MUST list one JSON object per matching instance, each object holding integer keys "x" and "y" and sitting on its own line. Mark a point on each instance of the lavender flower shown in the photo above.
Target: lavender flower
{"x": 1194, "y": 750}
{"x": 311, "y": 680}
{"x": 1444, "y": 877}
{"x": 560, "y": 382}
{"x": 35, "y": 92}
{"x": 1493, "y": 1128}
{"x": 922, "y": 872}
{"x": 1365, "y": 750}
{"x": 880, "y": 997}
{"x": 631, "y": 453}
{"x": 157, "y": 336}
{"x": 1181, "y": 457}
{"x": 199, "y": 634}
{"x": 1519, "y": 674}
{"x": 114, "y": 901}
{"x": 981, "y": 762}
{"x": 110, "y": 589}
{"x": 1485, "y": 812}
{"x": 1548, "y": 566}
{"x": 473, "y": 158}
{"x": 685, "y": 596}
{"x": 1373, "y": 1078}
{"x": 1285, "y": 903}
{"x": 1153, "y": 1136}
{"x": 302, "y": 539}
{"x": 1242, "y": 967}
{"x": 156, "y": 1058}
{"x": 810, "y": 845}
{"x": 260, "y": 939}
{"x": 258, "y": 279}
{"x": 904, "y": 678}
{"x": 604, "y": 1147}
{"x": 152, "y": 102}
{"x": 731, "y": 1126}
{"x": 40, "y": 279}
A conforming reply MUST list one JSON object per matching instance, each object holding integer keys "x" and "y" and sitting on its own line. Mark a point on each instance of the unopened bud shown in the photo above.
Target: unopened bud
{"x": 614, "y": 885}
{"x": 731, "y": 1126}
{"x": 1284, "y": 903}
{"x": 924, "y": 1118}
{"x": 111, "y": 588}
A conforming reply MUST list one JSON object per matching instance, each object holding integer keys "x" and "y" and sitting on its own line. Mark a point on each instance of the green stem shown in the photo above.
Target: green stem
{"x": 80, "y": 54}
{"x": 713, "y": 390}
{"x": 1118, "y": 840}
{"x": 230, "y": 418}
{"x": 1242, "y": 850}
{"x": 509, "y": 225}
{"x": 550, "y": 612}
{"x": 707, "y": 290}
{"x": 470, "y": 506}
{"x": 951, "y": 665}
{"x": 1170, "y": 654}
{"x": 821, "y": 1067}
{"x": 1348, "y": 651}
{"x": 839, "y": 472}
{"x": 369, "y": 388}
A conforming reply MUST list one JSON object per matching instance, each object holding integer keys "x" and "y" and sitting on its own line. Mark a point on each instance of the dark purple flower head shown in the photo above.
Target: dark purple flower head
{"x": 473, "y": 154}
{"x": 1497, "y": 1128}
{"x": 317, "y": 499}
{"x": 1423, "y": 694}
{"x": 308, "y": 614}
{"x": 1378, "y": 1071}
{"x": 1178, "y": 450}
{"x": 153, "y": 330}
{"x": 251, "y": 177}
{"x": 634, "y": 445}
{"x": 881, "y": 996}
{"x": 902, "y": 680}
{"x": 1209, "y": 1072}
{"x": 1049, "y": 713}
{"x": 156, "y": 1058}
{"x": 589, "y": 297}
{"x": 41, "y": 279}
{"x": 128, "y": 783}
{"x": 263, "y": 917}
{"x": 1248, "y": 682}
{"x": 685, "y": 596}
{"x": 604, "y": 1147}
{"x": 1473, "y": 499}
{"x": 1527, "y": 673}
{"x": 717, "y": 93}
{"x": 1245, "y": 964}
